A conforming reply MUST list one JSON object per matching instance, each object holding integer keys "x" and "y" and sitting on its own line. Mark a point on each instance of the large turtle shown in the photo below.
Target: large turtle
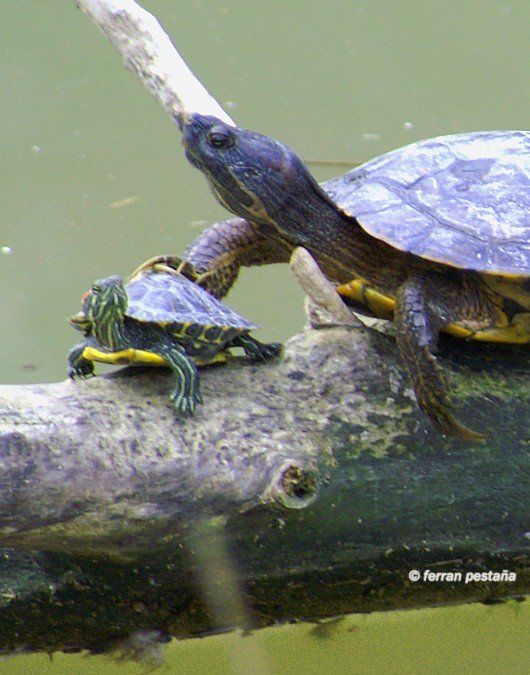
{"x": 434, "y": 235}
{"x": 160, "y": 318}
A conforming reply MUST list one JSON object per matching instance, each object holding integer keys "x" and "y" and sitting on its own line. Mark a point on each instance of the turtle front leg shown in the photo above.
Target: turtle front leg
{"x": 213, "y": 260}
{"x": 219, "y": 251}
{"x": 256, "y": 350}
{"x": 78, "y": 366}
{"x": 418, "y": 319}
{"x": 186, "y": 393}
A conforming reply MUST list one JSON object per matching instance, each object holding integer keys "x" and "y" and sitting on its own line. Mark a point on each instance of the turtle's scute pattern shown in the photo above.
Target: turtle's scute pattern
{"x": 161, "y": 319}
{"x": 164, "y": 298}
{"x": 463, "y": 200}
{"x": 435, "y": 236}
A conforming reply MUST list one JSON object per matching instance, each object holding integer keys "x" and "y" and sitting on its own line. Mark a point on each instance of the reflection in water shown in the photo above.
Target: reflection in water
{"x": 222, "y": 591}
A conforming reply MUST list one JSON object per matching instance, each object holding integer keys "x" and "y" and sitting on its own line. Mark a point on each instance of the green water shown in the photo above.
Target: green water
{"x": 467, "y": 639}
{"x": 93, "y": 181}
{"x": 79, "y": 134}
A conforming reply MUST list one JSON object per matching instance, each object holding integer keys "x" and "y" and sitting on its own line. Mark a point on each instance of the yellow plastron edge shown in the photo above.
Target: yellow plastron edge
{"x": 140, "y": 357}
{"x": 517, "y": 331}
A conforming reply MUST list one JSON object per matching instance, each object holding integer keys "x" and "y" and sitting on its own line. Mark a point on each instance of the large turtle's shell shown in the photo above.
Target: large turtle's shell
{"x": 163, "y": 298}
{"x": 462, "y": 200}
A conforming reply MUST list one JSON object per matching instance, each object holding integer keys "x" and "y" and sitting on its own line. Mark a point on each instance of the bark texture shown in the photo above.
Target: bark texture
{"x": 307, "y": 487}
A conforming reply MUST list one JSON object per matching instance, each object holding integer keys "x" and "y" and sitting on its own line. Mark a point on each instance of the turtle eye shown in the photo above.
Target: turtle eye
{"x": 96, "y": 288}
{"x": 219, "y": 138}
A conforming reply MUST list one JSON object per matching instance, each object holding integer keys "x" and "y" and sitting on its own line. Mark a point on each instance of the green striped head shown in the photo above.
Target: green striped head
{"x": 104, "y": 306}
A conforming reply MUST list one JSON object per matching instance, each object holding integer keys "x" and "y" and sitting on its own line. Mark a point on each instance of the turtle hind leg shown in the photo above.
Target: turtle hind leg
{"x": 417, "y": 335}
{"x": 256, "y": 350}
{"x": 185, "y": 394}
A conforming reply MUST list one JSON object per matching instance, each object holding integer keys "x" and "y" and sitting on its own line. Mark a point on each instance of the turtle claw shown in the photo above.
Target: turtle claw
{"x": 167, "y": 263}
{"x": 185, "y": 404}
{"x": 443, "y": 419}
{"x": 81, "y": 371}
{"x": 78, "y": 366}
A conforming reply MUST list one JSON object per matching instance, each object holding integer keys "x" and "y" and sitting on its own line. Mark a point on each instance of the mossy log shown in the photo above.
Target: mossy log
{"x": 306, "y": 487}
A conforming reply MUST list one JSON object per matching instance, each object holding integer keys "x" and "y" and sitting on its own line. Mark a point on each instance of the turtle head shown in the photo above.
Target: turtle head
{"x": 104, "y": 307}
{"x": 252, "y": 175}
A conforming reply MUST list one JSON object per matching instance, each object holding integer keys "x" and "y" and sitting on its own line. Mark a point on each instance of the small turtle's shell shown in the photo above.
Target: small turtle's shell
{"x": 461, "y": 200}
{"x": 164, "y": 299}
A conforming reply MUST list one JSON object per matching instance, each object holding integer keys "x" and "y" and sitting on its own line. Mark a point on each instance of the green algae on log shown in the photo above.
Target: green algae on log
{"x": 313, "y": 482}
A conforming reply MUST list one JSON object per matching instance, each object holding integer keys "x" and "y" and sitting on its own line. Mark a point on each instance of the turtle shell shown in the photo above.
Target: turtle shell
{"x": 461, "y": 200}
{"x": 163, "y": 298}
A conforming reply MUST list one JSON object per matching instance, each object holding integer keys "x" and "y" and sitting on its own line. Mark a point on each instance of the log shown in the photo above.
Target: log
{"x": 306, "y": 487}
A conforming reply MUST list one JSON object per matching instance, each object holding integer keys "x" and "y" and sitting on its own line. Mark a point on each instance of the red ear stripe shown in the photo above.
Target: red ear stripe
{"x": 85, "y": 296}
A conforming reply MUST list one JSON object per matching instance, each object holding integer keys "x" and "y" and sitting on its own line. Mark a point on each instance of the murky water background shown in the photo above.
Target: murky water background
{"x": 93, "y": 179}
{"x": 92, "y": 176}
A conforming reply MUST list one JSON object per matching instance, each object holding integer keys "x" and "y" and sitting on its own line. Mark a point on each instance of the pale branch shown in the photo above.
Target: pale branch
{"x": 149, "y": 53}
{"x": 324, "y": 304}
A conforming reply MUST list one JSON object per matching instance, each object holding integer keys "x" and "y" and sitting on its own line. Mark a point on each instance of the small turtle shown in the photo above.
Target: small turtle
{"x": 160, "y": 318}
{"x": 435, "y": 236}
